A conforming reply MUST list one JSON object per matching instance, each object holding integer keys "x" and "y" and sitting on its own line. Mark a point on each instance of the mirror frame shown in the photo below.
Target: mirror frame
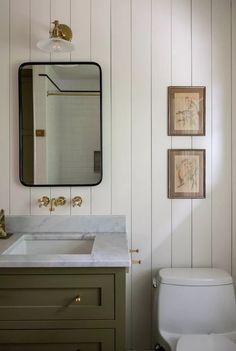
{"x": 21, "y": 121}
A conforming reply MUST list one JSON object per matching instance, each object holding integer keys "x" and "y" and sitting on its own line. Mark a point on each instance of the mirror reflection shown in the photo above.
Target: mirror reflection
{"x": 60, "y": 124}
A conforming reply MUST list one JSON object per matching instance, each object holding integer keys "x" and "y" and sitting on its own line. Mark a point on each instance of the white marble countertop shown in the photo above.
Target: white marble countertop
{"x": 109, "y": 250}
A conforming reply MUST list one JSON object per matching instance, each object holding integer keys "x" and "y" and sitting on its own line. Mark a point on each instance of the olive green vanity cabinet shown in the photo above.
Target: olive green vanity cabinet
{"x": 62, "y": 309}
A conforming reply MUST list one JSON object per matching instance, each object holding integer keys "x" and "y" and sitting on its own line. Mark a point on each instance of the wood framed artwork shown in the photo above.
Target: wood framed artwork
{"x": 186, "y": 173}
{"x": 186, "y": 110}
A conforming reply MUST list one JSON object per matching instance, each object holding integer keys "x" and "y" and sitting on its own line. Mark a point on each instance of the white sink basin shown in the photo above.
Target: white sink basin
{"x": 52, "y": 244}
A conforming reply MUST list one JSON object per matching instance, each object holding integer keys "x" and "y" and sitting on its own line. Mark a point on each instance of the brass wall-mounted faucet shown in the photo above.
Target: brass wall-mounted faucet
{"x": 54, "y": 202}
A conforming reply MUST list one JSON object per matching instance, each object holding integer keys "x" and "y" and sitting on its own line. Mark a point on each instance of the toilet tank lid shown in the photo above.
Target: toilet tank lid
{"x": 194, "y": 276}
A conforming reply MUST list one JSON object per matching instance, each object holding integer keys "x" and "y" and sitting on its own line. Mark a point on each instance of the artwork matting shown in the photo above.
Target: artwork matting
{"x": 186, "y": 173}
{"x": 186, "y": 111}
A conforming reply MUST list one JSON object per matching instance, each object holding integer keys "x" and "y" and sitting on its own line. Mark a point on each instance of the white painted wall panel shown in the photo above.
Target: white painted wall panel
{"x": 141, "y": 170}
{"x": 19, "y": 52}
{"x": 4, "y": 103}
{"x": 201, "y": 76}
{"x": 181, "y": 76}
{"x": 161, "y": 142}
{"x": 233, "y": 18}
{"x": 121, "y": 123}
{"x": 39, "y": 24}
{"x": 221, "y": 134}
{"x": 81, "y": 26}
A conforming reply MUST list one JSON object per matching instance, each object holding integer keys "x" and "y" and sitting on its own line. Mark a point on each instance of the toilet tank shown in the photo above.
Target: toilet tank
{"x": 195, "y": 300}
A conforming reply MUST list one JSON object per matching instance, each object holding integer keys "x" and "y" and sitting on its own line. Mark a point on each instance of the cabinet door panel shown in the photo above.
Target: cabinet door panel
{"x": 57, "y": 340}
{"x": 54, "y": 347}
{"x": 52, "y": 297}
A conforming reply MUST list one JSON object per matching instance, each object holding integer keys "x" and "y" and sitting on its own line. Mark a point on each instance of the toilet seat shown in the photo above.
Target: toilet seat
{"x": 211, "y": 342}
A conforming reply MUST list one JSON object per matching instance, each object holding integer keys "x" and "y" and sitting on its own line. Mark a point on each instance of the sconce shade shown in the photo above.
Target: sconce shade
{"x": 55, "y": 45}
{"x": 59, "y": 41}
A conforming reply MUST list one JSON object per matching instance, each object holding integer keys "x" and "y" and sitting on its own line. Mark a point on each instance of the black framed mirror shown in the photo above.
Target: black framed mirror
{"x": 60, "y": 112}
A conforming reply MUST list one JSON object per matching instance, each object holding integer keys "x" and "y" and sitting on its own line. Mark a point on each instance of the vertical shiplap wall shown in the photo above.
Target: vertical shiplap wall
{"x": 141, "y": 168}
{"x": 202, "y": 75}
{"x": 143, "y": 46}
{"x": 221, "y": 133}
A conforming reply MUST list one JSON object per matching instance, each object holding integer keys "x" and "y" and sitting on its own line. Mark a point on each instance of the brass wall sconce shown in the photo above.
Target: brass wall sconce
{"x": 59, "y": 40}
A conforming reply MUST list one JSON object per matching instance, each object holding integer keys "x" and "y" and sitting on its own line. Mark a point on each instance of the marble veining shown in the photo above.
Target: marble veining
{"x": 62, "y": 224}
{"x": 110, "y": 248}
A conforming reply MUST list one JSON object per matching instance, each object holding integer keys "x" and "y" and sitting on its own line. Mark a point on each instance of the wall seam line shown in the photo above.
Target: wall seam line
{"x": 211, "y": 133}
{"x": 131, "y": 161}
{"x": 70, "y": 22}
{"x": 30, "y": 59}
{"x": 111, "y": 106}
{"x": 50, "y": 14}
{"x": 70, "y": 188}
{"x": 191, "y": 138}
{"x": 151, "y": 159}
{"x": 90, "y": 56}
{"x": 171, "y": 83}
{"x": 10, "y": 108}
{"x": 232, "y": 168}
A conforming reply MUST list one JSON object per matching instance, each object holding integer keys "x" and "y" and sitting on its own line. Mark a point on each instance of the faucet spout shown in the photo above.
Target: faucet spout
{"x": 52, "y": 204}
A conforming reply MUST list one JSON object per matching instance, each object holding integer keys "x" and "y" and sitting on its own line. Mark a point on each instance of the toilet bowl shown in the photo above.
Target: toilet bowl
{"x": 195, "y": 310}
{"x": 211, "y": 342}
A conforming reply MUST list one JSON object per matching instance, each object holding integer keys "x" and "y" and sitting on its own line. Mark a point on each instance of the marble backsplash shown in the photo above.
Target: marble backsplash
{"x": 71, "y": 224}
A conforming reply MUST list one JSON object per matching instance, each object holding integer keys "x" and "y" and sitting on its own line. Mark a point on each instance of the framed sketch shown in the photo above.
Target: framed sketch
{"x": 186, "y": 174}
{"x": 186, "y": 110}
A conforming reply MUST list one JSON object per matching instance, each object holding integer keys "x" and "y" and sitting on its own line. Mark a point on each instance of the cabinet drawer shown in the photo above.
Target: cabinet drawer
{"x": 57, "y": 340}
{"x": 50, "y": 297}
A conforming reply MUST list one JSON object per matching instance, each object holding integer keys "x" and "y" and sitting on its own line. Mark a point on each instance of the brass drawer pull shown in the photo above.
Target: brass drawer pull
{"x": 136, "y": 261}
{"x": 77, "y": 299}
{"x": 133, "y": 250}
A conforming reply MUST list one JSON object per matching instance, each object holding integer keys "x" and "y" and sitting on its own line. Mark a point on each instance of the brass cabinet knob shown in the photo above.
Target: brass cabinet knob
{"x": 77, "y": 299}
{"x": 77, "y": 201}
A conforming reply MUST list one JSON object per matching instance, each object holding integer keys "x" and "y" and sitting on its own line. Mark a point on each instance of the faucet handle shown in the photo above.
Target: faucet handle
{"x": 43, "y": 201}
{"x": 77, "y": 201}
{"x": 60, "y": 201}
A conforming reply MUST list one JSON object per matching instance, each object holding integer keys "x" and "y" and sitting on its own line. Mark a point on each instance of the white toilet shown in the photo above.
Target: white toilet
{"x": 195, "y": 310}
